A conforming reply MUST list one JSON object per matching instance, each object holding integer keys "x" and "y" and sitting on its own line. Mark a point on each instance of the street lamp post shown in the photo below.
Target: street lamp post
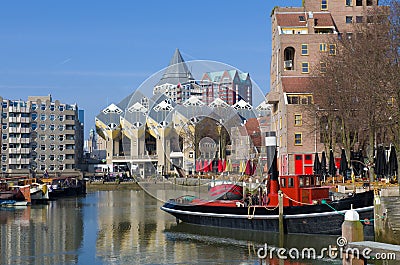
{"x": 219, "y": 128}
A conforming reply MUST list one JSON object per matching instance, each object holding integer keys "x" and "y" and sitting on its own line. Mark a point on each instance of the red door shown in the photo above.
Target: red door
{"x": 308, "y": 164}
{"x": 298, "y": 164}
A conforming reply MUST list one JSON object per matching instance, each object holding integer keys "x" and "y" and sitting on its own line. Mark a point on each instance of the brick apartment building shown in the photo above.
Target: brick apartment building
{"x": 300, "y": 35}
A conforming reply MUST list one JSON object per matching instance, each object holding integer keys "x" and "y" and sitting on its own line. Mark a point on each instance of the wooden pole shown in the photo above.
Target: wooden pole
{"x": 281, "y": 220}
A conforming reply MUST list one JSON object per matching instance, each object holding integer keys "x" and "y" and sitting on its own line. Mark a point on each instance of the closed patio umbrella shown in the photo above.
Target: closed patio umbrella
{"x": 343, "y": 164}
{"x": 332, "y": 166}
{"x": 220, "y": 166}
{"x": 317, "y": 164}
{"x": 323, "y": 164}
{"x": 392, "y": 164}
{"x": 380, "y": 162}
{"x": 248, "y": 170}
{"x": 254, "y": 167}
{"x": 205, "y": 167}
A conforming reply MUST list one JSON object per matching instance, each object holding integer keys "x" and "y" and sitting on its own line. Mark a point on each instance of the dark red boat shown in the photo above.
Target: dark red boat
{"x": 308, "y": 207}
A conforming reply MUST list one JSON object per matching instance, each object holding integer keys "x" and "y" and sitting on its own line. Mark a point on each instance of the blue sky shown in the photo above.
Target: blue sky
{"x": 94, "y": 53}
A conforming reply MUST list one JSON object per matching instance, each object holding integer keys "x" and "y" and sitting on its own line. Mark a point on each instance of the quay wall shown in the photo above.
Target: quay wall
{"x": 387, "y": 220}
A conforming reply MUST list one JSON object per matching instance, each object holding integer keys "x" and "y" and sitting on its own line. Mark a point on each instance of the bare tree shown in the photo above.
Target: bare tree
{"x": 356, "y": 81}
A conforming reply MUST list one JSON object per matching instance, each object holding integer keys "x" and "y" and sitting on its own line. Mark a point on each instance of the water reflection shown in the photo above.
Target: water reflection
{"x": 43, "y": 234}
{"x": 127, "y": 227}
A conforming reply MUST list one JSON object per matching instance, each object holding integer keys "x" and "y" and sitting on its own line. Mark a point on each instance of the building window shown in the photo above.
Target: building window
{"x": 300, "y": 99}
{"x": 60, "y": 157}
{"x": 52, "y": 117}
{"x": 61, "y": 167}
{"x": 298, "y": 120}
{"x": 359, "y": 19}
{"x": 298, "y": 139}
{"x": 52, "y": 137}
{"x": 42, "y": 137}
{"x": 324, "y": 4}
{"x": 42, "y": 157}
{"x": 4, "y": 147}
{"x": 52, "y": 107}
{"x": 3, "y": 158}
{"x": 61, "y": 118}
{"x": 61, "y": 108}
{"x": 52, "y": 157}
{"x": 358, "y": 2}
{"x": 34, "y": 106}
{"x": 369, "y": 2}
{"x": 349, "y": 19}
{"x": 4, "y": 168}
{"x": 332, "y": 49}
{"x": 42, "y": 117}
{"x": 349, "y": 2}
{"x": 52, "y": 127}
{"x": 61, "y": 147}
{"x": 304, "y": 68}
{"x": 322, "y": 67}
{"x": 4, "y": 136}
{"x": 34, "y": 116}
{"x": 34, "y": 146}
{"x": 322, "y": 47}
{"x": 4, "y": 126}
{"x": 52, "y": 147}
{"x": 4, "y": 115}
{"x": 43, "y": 127}
{"x": 61, "y": 127}
{"x": 43, "y": 106}
{"x": 289, "y": 54}
{"x": 43, "y": 147}
{"x": 304, "y": 49}
{"x": 61, "y": 137}
{"x": 43, "y": 167}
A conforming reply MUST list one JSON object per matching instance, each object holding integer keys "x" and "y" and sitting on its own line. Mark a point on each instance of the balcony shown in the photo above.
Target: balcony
{"x": 18, "y": 109}
{"x": 13, "y": 130}
{"x": 25, "y": 140}
{"x": 19, "y": 150}
{"x": 19, "y": 161}
{"x": 25, "y": 120}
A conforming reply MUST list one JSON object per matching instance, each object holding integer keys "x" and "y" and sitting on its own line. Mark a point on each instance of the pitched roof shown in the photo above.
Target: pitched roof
{"x": 176, "y": 72}
{"x": 323, "y": 20}
{"x": 299, "y": 19}
{"x": 291, "y": 19}
{"x": 296, "y": 85}
{"x": 217, "y": 76}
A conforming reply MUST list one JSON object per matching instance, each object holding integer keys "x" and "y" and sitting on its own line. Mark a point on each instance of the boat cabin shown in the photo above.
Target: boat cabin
{"x": 302, "y": 189}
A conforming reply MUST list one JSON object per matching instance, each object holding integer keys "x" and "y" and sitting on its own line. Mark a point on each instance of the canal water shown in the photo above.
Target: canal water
{"x": 128, "y": 227}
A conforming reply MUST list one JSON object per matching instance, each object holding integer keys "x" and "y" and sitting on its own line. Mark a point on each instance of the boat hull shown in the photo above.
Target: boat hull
{"x": 66, "y": 192}
{"x": 313, "y": 219}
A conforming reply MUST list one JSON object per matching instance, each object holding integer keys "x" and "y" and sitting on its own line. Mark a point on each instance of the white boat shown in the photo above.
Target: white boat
{"x": 39, "y": 192}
